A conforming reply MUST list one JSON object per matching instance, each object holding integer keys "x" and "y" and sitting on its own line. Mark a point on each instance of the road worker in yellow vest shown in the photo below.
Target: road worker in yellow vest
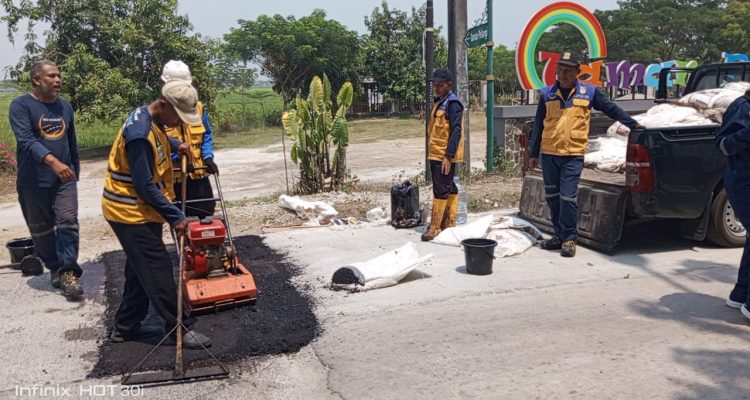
{"x": 445, "y": 151}
{"x": 200, "y": 138}
{"x": 137, "y": 200}
{"x": 560, "y": 135}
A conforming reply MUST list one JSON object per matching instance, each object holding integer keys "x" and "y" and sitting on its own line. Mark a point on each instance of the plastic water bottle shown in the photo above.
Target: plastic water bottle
{"x": 463, "y": 202}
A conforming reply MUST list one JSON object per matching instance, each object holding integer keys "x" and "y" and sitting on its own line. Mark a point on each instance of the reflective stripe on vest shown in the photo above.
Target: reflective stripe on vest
{"x": 120, "y": 201}
{"x": 119, "y": 198}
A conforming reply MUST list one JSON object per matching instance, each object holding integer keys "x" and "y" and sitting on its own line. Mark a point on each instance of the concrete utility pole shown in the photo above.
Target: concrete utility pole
{"x": 428, "y": 56}
{"x": 490, "y": 92}
{"x": 458, "y": 62}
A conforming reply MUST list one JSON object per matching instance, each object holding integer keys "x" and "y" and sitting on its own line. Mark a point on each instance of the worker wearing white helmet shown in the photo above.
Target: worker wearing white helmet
{"x": 200, "y": 138}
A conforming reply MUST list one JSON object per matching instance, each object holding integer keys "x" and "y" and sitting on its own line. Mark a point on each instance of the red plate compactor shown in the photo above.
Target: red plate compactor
{"x": 213, "y": 279}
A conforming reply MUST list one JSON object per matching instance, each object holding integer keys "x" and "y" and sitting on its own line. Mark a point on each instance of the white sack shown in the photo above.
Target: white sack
{"x": 606, "y": 153}
{"x": 385, "y": 270}
{"x": 725, "y": 98}
{"x": 377, "y": 215}
{"x": 316, "y": 212}
{"x": 511, "y": 241}
{"x": 511, "y": 222}
{"x": 513, "y": 236}
{"x": 475, "y": 230}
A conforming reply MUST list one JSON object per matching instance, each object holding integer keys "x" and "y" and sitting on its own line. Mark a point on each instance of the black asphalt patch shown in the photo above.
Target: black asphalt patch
{"x": 281, "y": 322}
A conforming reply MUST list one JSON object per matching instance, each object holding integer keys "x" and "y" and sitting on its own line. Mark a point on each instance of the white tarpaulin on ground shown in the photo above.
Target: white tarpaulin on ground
{"x": 705, "y": 107}
{"x": 382, "y": 271}
{"x": 314, "y": 212}
{"x": 513, "y": 235}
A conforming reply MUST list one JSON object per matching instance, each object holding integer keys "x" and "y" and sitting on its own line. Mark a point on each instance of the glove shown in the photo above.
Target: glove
{"x": 211, "y": 166}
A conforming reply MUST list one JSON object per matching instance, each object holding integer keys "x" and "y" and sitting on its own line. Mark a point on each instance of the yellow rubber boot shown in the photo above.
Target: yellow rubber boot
{"x": 451, "y": 210}
{"x": 438, "y": 210}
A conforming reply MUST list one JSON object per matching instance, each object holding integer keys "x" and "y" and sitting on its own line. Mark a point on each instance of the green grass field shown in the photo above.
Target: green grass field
{"x": 255, "y": 102}
{"x": 89, "y": 135}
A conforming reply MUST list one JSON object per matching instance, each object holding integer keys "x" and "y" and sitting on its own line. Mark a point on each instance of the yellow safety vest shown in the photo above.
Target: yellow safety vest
{"x": 120, "y": 202}
{"x": 194, "y": 139}
{"x": 440, "y": 132}
{"x": 566, "y": 125}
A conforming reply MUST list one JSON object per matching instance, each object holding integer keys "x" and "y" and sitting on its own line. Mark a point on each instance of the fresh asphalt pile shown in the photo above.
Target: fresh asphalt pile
{"x": 281, "y": 322}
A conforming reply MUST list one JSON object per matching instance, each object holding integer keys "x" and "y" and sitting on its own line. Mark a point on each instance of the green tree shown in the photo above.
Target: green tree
{"x": 231, "y": 75}
{"x": 504, "y": 68}
{"x": 293, "y": 51}
{"x": 736, "y": 31}
{"x": 111, "y": 47}
{"x": 652, "y": 30}
{"x": 393, "y": 52}
{"x": 313, "y": 127}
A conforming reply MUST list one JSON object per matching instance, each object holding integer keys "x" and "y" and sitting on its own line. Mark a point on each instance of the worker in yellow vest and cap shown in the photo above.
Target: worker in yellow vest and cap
{"x": 199, "y": 137}
{"x": 445, "y": 151}
{"x": 137, "y": 200}
{"x": 560, "y": 135}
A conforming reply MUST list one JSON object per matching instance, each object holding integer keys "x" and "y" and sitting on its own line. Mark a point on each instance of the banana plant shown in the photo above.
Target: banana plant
{"x": 313, "y": 128}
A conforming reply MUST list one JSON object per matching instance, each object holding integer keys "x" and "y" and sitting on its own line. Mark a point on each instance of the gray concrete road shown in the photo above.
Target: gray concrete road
{"x": 646, "y": 323}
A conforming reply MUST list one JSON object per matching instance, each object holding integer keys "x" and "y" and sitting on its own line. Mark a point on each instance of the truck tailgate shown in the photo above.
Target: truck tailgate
{"x": 601, "y": 207}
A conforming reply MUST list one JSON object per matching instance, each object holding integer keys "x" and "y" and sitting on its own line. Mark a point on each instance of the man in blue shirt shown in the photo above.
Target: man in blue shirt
{"x": 561, "y": 134}
{"x": 733, "y": 139}
{"x": 48, "y": 168}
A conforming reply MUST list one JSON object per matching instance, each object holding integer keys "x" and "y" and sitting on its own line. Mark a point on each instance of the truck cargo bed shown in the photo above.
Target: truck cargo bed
{"x": 596, "y": 191}
{"x": 592, "y": 176}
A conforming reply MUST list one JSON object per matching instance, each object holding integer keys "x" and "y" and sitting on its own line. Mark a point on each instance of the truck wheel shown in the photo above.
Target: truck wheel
{"x": 724, "y": 229}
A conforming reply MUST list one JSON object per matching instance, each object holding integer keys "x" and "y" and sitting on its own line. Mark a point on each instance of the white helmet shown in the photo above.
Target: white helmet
{"x": 176, "y": 70}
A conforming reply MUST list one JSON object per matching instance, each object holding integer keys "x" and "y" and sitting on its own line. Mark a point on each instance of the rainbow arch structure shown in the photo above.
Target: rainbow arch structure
{"x": 563, "y": 12}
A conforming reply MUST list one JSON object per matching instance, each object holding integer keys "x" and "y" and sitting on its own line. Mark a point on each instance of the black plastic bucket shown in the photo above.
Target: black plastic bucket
{"x": 479, "y": 255}
{"x": 20, "y": 248}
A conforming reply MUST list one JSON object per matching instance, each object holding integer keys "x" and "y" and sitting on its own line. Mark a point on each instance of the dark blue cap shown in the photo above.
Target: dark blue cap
{"x": 442, "y": 75}
{"x": 570, "y": 59}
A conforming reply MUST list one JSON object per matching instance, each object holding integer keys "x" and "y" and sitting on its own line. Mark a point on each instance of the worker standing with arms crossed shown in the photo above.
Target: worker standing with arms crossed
{"x": 200, "y": 139}
{"x": 136, "y": 202}
{"x": 48, "y": 169}
{"x": 561, "y": 134}
{"x": 445, "y": 151}
{"x": 733, "y": 139}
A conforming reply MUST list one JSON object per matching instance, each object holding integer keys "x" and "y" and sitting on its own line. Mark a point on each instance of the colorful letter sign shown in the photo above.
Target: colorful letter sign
{"x": 554, "y": 14}
{"x": 620, "y": 74}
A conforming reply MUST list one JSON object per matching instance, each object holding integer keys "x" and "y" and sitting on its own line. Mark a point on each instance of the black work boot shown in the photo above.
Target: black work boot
{"x": 551, "y": 244}
{"x": 70, "y": 285}
{"x": 568, "y": 249}
{"x": 118, "y": 336}
{"x": 54, "y": 278}
{"x": 195, "y": 340}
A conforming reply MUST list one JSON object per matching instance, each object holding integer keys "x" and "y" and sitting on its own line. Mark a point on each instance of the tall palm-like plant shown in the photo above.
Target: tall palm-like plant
{"x": 314, "y": 128}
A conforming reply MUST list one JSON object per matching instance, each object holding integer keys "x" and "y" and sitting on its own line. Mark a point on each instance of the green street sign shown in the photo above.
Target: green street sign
{"x": 477, "y": 36}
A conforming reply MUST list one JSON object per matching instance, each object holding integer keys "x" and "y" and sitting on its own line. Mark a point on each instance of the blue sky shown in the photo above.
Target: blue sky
{"x": 214, "y": 18}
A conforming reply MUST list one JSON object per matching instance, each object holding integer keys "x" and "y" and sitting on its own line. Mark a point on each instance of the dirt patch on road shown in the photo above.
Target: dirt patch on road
{"x": 7, "y": 187}
{"x": 281, "y": 322}
{"x": 491, "y": 192}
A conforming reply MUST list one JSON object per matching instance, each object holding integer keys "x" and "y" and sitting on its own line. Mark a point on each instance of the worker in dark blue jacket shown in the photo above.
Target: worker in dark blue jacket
{"x": 561, "y": 134}
{"x": 733, "y": 139}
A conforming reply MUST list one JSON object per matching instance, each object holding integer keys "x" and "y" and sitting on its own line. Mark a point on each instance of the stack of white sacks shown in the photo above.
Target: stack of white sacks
{"x": 706, "y": 107}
